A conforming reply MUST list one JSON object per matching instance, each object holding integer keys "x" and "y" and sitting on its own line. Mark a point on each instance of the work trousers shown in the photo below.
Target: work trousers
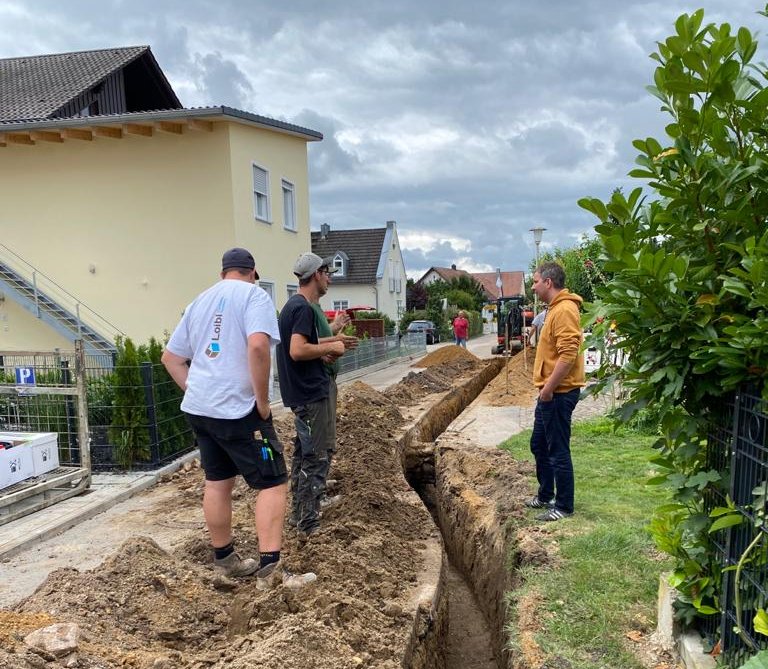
{"x": 313, "y": 449}
{"x": 551, "y": 446}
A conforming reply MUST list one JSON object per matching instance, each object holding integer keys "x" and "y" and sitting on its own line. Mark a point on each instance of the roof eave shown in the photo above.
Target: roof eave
{"x": 204, "y": 113}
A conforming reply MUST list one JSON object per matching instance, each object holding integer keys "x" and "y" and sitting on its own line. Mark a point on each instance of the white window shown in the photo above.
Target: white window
{"x": 291, "y": 289}
{"x": 400, "y": 309}
{"x": 338, "y": 263}
{"x": 289, "y": 206}
{"x": 340, "y": 305}
{"x": 269, "y": 288}
{"x": 260, "y": 193}
{"x": 395, "y": 280}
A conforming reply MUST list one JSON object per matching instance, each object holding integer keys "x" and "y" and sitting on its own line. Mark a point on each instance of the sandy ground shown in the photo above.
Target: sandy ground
{"x": 137, "y": 578}
{"x": 154, "y": 602}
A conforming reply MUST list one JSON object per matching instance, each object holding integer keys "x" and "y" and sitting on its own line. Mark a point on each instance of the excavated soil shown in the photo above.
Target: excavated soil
{"x": 445, "y": 354}
{"x": 514, "y": 384}
{"x": 148, "y": 608}
{"x": 145, "y": 607}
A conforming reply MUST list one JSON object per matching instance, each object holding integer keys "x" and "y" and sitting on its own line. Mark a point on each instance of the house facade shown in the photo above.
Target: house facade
{"x": 122, "y": 217}
{"x": 370, "y": 268}
{"x": 494, "y": 284}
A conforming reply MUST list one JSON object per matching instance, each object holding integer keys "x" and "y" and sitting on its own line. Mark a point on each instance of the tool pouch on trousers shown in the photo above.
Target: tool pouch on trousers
{"x": 270, "y": 452}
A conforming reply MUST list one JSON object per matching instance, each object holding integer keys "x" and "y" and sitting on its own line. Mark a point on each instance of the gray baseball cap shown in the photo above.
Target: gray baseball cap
{"x": 308, "y": 263}
{"x": 237, "y": 257}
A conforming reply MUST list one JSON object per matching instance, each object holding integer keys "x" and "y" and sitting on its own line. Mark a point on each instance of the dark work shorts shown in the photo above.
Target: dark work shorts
{"x": 247, "y": 446}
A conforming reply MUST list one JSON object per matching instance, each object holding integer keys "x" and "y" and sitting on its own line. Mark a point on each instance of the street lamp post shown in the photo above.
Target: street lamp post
{"x": 537, "y": 233}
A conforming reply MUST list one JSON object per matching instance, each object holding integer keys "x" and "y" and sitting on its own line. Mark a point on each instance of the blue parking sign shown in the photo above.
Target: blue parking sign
{"x": 25, "y": 376}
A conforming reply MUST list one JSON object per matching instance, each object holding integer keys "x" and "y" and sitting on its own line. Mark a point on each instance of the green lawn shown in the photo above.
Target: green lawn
{"x": 605, "y": 577}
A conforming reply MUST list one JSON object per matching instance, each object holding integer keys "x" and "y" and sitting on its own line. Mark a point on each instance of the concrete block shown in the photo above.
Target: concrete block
{"x": 668, "y": 635}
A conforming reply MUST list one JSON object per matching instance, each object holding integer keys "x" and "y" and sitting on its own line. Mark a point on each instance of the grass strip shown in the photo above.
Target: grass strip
{"x": 603, "y": 580}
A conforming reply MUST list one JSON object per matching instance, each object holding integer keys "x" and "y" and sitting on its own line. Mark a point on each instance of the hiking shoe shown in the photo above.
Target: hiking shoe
{"x": 233, "y": 566}
{"x": 536, "y": 503}
{"x": 553, "y": 514}
{"x": 273, "y": 574}
{"x": 329, "y": 502}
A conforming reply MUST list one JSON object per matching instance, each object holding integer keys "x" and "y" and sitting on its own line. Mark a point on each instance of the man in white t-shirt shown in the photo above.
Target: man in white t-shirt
{"x": 536, "y": 325}
{"x": 219, "y": 355}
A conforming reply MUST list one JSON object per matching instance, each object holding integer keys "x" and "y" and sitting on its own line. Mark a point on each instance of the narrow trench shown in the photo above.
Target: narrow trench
{"x": 465, "y": 637}
{"x": 467, "y": 642}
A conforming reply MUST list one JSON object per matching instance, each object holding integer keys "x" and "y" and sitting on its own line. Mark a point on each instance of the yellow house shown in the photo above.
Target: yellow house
{"x": 117, "y": 203}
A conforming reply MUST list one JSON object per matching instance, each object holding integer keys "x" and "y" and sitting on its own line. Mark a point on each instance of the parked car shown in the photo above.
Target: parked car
{"x": 428, "y": 327}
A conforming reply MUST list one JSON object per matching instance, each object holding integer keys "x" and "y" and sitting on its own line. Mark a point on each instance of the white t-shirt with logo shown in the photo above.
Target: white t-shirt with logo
{"x": 213, "y": 334}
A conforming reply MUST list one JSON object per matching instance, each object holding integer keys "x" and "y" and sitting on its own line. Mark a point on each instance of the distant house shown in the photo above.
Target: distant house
{"x": 494, "y": 284}
{"x": 512, "y": 283}
{"x": 117, "y": 202}
{"x": 370, "y": 268}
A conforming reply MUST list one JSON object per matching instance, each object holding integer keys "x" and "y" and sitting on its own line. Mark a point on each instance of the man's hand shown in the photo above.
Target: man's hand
{"x": 340, "y": 321}
{"x": 546, "y": 395}
{"x": 263, "y": 410}
{"x": 349, "y": 341}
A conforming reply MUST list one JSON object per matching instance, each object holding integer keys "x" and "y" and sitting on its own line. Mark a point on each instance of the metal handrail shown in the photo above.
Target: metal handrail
{"x": 71, "y": 303}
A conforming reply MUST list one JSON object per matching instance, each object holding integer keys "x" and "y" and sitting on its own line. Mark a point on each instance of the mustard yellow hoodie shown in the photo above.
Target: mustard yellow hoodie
{"x": 561, "y": 339}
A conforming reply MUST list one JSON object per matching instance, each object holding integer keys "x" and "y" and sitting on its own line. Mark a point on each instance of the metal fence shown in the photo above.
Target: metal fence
{"x": 134, "y": 420}
{"x": 381, "y": 349}
{"x": 737, "y": 445}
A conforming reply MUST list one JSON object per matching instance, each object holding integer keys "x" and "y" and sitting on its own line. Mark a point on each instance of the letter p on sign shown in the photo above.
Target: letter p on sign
{"x": 25, "y": 376}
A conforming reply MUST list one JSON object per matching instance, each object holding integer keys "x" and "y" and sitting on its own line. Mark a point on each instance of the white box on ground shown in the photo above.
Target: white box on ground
{"x": 16, "y": 464}
{"x": 36, "y": 452}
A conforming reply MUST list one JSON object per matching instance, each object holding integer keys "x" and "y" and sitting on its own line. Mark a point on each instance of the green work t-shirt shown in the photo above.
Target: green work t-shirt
{"x": 324, "y": 330}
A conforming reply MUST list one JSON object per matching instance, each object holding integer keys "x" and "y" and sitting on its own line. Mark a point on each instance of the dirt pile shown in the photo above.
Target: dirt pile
{"x": 445, "y": 354}
{"x": 436, "y": 378}
{"x": 147, "y": 608}
{"x": 514, "y": 384}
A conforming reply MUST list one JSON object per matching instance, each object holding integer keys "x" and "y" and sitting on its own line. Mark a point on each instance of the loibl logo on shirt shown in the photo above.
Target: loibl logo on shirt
{"x": 214, "y": 347}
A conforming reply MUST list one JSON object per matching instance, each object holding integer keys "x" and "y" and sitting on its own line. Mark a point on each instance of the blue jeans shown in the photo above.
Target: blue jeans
{"x": 551, "y": 446}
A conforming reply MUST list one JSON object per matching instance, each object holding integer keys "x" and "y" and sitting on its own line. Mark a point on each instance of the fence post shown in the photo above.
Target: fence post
{"x": 147, "y": 379}
{"x": 83, "y": 431}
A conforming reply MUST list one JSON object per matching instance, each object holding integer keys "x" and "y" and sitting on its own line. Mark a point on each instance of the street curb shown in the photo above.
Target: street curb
{"x": 689, "y": 644}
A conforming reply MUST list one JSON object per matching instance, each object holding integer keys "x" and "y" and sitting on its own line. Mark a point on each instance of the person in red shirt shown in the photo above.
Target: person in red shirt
{"x": 461, "y": 329}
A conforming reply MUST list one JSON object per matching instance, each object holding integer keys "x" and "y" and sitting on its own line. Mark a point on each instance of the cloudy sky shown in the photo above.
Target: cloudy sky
{"x": 467, "y": 123}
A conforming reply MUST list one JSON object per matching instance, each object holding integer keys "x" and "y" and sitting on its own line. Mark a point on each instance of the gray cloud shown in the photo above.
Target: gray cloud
{"x": 222, "y": 80}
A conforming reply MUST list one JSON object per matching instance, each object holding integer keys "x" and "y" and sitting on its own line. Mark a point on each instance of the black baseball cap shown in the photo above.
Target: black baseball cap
{"x": 237, "y": 257}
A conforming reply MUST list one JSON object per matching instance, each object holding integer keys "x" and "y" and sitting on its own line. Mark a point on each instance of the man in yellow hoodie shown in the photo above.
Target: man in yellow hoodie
{"x": 558, "y": 373}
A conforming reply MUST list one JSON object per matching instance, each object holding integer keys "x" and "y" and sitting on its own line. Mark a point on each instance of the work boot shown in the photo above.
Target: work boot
{"x": 273, "y": 574}
{"x": 233, "y": 566}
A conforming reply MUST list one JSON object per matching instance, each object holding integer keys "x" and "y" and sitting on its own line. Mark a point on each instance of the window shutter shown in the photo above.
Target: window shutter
{"x": 259, "y": 180}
